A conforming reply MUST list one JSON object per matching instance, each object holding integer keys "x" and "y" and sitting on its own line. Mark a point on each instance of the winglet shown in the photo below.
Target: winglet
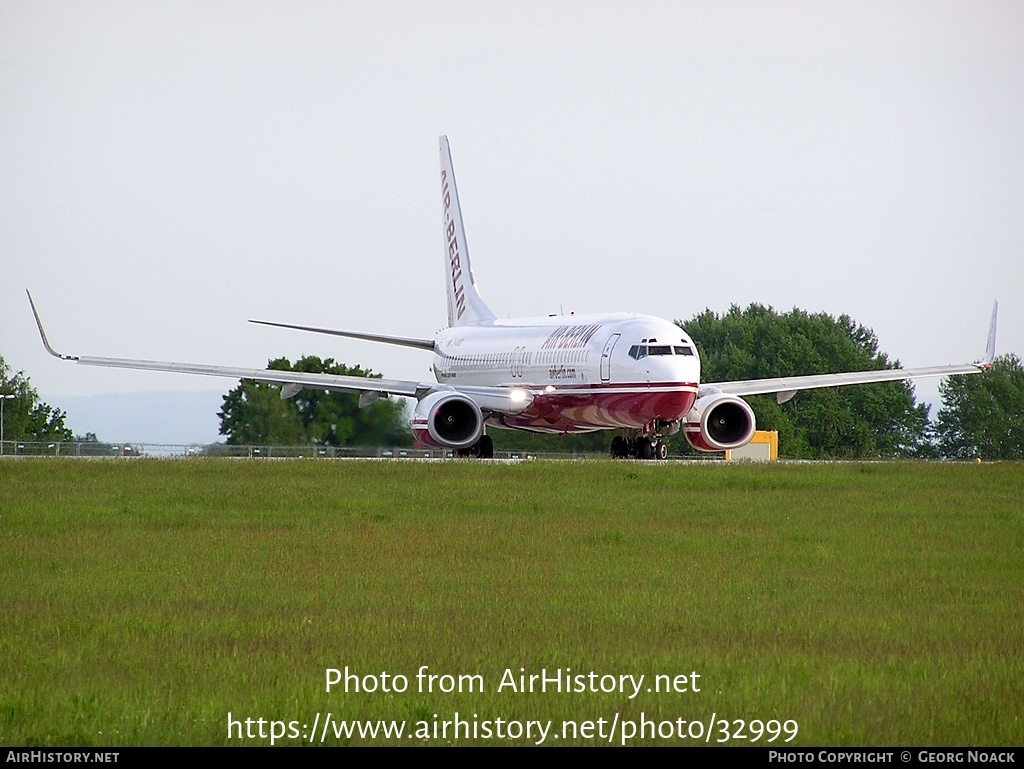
{"x": 990, "y": 347}
{"x": 42, "y": 334}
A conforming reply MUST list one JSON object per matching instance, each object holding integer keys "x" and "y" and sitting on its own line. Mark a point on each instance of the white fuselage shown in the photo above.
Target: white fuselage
{"x": 584, "y": 372}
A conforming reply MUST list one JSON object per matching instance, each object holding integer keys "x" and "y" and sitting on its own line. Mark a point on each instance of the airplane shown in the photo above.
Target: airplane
{"x": 557, "y": 374}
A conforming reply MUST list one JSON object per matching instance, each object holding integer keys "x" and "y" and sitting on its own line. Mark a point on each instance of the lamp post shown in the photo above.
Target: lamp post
{"x": 2, "y": 399}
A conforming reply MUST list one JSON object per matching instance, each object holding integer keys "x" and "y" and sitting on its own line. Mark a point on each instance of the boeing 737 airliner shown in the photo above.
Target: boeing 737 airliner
{"x": 633, "y": 373}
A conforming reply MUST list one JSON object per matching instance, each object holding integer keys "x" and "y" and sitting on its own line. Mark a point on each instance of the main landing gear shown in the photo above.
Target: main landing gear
{"x": 483, "y": 449}
{"x": 638, "y": 447}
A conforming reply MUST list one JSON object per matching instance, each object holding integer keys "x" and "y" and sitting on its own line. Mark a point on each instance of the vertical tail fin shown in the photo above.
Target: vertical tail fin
{"x": 464, "y": 302}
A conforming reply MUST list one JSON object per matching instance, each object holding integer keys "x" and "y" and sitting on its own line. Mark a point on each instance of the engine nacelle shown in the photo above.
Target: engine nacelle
{"x": 718, "y": 422}
{"x": 447, "y": 420}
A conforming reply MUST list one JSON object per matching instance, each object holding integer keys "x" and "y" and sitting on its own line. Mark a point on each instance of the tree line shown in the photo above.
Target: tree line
{"x": 25, "y": 416}
{"x": 981, "y": 416}
{"x": 255, "y": 412}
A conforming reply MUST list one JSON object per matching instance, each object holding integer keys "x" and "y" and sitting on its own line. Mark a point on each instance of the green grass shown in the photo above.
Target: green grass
{"x": 142, "y": 601}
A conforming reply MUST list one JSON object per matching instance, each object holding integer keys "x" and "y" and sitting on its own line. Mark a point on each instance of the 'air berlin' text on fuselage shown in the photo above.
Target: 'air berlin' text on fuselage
{"x": 570, "y": 336}
{"x": 458, "y": 293}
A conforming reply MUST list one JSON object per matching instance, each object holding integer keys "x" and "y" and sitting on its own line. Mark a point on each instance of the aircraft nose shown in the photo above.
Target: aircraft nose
{"x": 675, "y": 368}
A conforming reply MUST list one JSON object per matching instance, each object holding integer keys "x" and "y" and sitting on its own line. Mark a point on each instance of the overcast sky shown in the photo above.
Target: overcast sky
{"x": 170, "y": 169}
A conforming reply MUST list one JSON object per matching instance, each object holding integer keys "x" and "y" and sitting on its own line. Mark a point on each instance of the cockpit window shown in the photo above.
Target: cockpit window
{"x": 642, "y": 350}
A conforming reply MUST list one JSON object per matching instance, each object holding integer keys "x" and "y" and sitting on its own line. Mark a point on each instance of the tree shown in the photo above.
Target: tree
{"x": 26, "y": 418}
{"x": 982, "y": 416}
{"x": 254, "y": 412}
{"x": 876, "y": 420}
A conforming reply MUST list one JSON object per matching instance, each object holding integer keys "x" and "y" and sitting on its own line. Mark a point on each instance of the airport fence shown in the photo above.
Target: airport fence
{"x": 123, "y": 450}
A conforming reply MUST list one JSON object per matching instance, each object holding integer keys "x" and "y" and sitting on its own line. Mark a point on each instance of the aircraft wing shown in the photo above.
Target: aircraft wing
{"x": 345, "y": 384}
{"x": 506, "y": 400}
{"x": 786, "y": 387}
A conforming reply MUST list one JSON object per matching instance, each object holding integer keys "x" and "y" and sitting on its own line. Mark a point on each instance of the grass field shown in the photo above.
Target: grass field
{"x": 872, "y": 604}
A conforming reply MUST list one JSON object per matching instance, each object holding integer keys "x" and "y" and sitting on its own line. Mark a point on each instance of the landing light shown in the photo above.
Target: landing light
{"x": 517, "y": 395}
{"x": 549, "y": 389}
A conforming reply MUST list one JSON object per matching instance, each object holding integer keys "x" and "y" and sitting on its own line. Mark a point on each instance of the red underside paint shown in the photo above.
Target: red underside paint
{"x": 585, "y": 408}
{"x": 606, "y": 406}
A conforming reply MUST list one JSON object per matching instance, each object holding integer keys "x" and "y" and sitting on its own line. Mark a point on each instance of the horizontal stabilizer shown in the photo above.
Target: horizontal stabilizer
{"x": 420, "y": 344}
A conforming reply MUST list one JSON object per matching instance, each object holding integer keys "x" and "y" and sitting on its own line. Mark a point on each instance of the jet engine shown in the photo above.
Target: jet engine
{"x": 718, "y": 422}
{"x": 447, "y": 420}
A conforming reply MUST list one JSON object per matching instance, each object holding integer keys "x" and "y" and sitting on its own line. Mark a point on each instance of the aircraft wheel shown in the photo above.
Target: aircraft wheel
{"x": 661, "y": 450}
{"x": 485, "y": 447}
{"x": 644, "y": 448}
{"x": 619, "y": 447}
